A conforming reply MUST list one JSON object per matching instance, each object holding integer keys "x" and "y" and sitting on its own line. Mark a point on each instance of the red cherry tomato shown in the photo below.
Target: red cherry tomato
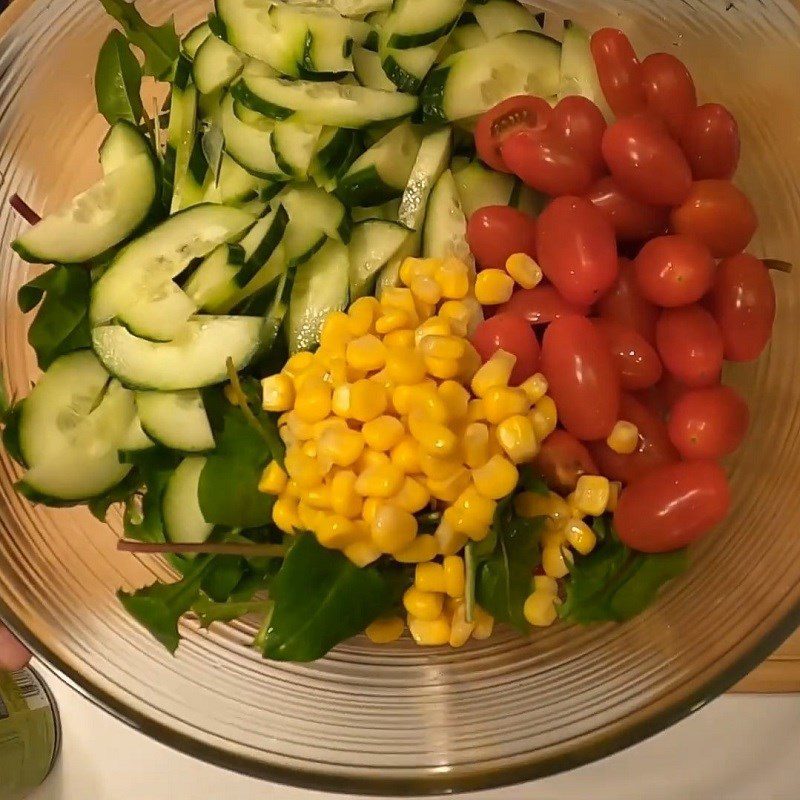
{"x": 577, "y": 249}
{"x": 674, "y": 270}
{"x": 618, "y": 70}
{"x": 541, "y": 305}
{"x": 669, "y": 90}
{"x": 718, "y": 214}
{"x": 654, "y": 450}
{"x": 582, "y": 377}
{"x": 633, "y": 221}
{"x": 515, "y": 113}
{"x": 512, "y": 334}
{"x": 496, "y": 232}
{"x": 672, "y": 506}
{"x": 689, "y": 342}
{"x": 661, "y": 397}
{"x": 623, "y": 303}
{"x": 710, "y": 140}
{"x": 636, "y": 359}
{"x": 562, "y": 459}
{"x": 708, "y": 423}
{"x": 743, "y": 303}
{"x": 581, "y": 124}
{"x": 646, "y": 162}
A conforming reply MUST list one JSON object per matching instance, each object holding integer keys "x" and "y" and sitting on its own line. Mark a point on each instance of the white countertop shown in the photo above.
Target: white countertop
{"x": 740, "y": 747}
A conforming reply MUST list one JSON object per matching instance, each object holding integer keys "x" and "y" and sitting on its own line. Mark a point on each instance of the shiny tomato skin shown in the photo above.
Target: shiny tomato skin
{"x": 541, "y": 304}
{"x": 633, "y": 220}
{"x": 496, "y": 232}
{"x": 674, "y": 270}
{"x": 583, "y": 379}
{"x": 672, "y": 506}
{"x": 669, "y": 90}
{"x": 581, "y": 124}
{"x": 577, "y": 249}
{"x": 689, "y": 343}
{"x": 710, "y": 139}
{"x": 618, "y": 70}
{"x": 512, "y": 334}
{"x": 562, "y": 459}
{"x": 743, "y": 303}
{"x": 624, "y": 303}
{"x": 636, "y": 359}
{"x": 708, "y": 423}
{"x": 718, "y": 214}
{"x": 646, "y": 162}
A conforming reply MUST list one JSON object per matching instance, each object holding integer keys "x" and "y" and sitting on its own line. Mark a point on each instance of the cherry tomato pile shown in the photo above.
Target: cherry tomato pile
{"x": 639, "y": 339}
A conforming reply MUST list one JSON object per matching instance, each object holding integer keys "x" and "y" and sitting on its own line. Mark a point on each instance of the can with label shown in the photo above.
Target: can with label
{"x": 30, "y": 733}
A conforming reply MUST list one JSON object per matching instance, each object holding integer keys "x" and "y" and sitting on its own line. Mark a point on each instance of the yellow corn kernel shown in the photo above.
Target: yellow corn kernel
{"x": 363, "y": 313}
{"x": 294, "y": 489}
{"x": 481, "y": 509}
{"x": 298, "y": 363}
{"x": 454, "y": 575}
{"x": 453, "y": 278}
{"x": 460, "y": 629}
{"x": 457, "y": 314}
{"x": 461, "y": 522}
{"x": 335, "y": 331}
{"x": 455, "y": 398}
{"x": 385, "y": 630}
{"x": 277, "y": 392}
{"x": 404, "y": 395}
{"x": 302, "y": 468}
{"x": 516, "y": 436}
{"x": 433, "y": 437}
{"x": 535, "y": 387}
{"x": 524, "y": 270}
{"x": 493, "y": 286}
{"x": 448, "y": 489}
{"x": 414, "y": 267}
{"x": 338, "y": 373}
{"x": 580, "y": 536}
{"x": 383, "y": 433}
{"x": 339, "y": 446}
{"x": 614, "y": 489}
{"x": 319, "y": 496}
{"x": 273, "y": 479}
{"x": 362, "y": 553}
{"x": 423, "y": 605}
{"x": 301, "y": 430}
{"x": 533, "y": 504}
{"x": 426, "y": 289}
{"x": 435, "y": 467}
{"x": 476, "y": 412}
{"x": 412, "y": 497}
{"x": 370, "y": 508}
{"x": 624, "y": 437}
{"x": 484, "y": 624}
{"x": 367, "y": 400}
{"x": 475, "y": 310}
{"x": 470, "y": 363}
{"x": 442, "y": 368}
{"x": 591, "y": 494}
{"x": 379, "y": 481}
{"x": 313, "y": 402}
{"x": 399, "y": 297}
{"x": 284, "y": 514}
{"x": 502, "y": 402}
{"x": 449, "y": 347}
{"x": 450, "y": 541}
{"x": 495, "y": 372}
{"x": 384, "y": 381}
{"x": 394, "y": 319}
{"x": 429, "y": 633}
{"x": 371, "y": 458}
{"x": 424, "y": 310}
{"x": 423, "y": 548}
{"x": 403, "y": 338}
{"x": 344, "y": 499}
{"x": 366, "y": 353}
{"x": 430, "y": 577}
{"x": 310, "y": 448}
{"x": 544, "y": 417}
{"x": 311, "y": 517}
{"x": 336, "y": 531}
{"x": 555, "y": 561}
{"x": 496, "y": 479}
{"x": 435, "y": 326}
{"x": 405, "y": 455}
{"x": 540, "y": 609}
{"x": 392, "y": 529}
{"x": 405, "y": 366}
{"x": 544, "y": 584}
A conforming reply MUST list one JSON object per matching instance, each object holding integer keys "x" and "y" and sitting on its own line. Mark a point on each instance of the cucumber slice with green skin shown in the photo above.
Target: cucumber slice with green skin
{"x": 497, "y": 17}
{"x": 274, "y": 227}
{"x": 414, "y": 23}
{"x": 389, "y": 276}
{"x": 190, "y": 43}
{"x": 180, "y": 505}
{"x": 578, "y": 72}
{"x": 445, "y": 232}
{"x": 463, "y": 37}
{"x": 194, "y": 359}
{"x": 293, "y": 144}
{"x": 322, "y": 103}
{"x": 235, "y": 185}
{"x": 389, "y": 211}
{"x": 315, "y": 211}
{"x": 432, "y": 160}
{"x": 96, "y": 220}
{"x": 177, "y": 420}
{"x": 383, "y": 171}
{"x": 350, "y": 8}
{"x": 214, "y": 281}
{"x": 135, "y": 439}
{"x": 265, "y": 278}
{"x": 123, "y": 142}
{"x": 470, "y": 82}
{"x": 373, "y": 244}
{"x": 478, "y": 187}
{"x": 406, "y": 69}
{"x": 196, "y": 180}
{"x": 368, "y": 70}
{"x": 528, "y": 200}
{"x": 320, "y": 286}
{"x": 337, "y": 148}
{"x": 180, "y": 133}
{"x": 216, "y": 65}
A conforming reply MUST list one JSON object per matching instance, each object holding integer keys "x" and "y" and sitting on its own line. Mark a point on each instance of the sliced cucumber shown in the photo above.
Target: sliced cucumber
{"x": 196, "y": 358}
{"x": 214, "y": 281}
{"x": 406, "y": 69}
{"x": 432, "y": 160}
{"x": 180, "y": 506}
{"x": 478, "y": 187}
{"x": 263, "y": 280}
{"x": 389, "y": 211}
{"x": 383, "y": 171}
{"x": 135, "y": 439}
{"x": 578, "y": 73}
{"x": 180, "y": 135}
{"x": 497, "y": 17}
{"x": 414, "y": 23}
{"x": 177, "y": 420}
{"x": 123, "y": 142}
{"x": 389, "y": 276}
{"x": 470, "y": 82}
{"x": 293, "y": 144}
{"x": 235, "y": 185}
{"x": 349, "y": 8}
{"x": 271, "y": 229}
{"x": 337, "y": 148}
{"x": 369, "y": 71}
{"x": 314, "y": 215}
{"x": 216, "y": 65}
{"x": 445, "y": 232}
{"x": 528, "y": 200}
{"x": 248, "y": 145}
{"x": 190, "y": 43}
{"x": 320, "y": 286}
{"x": 465, "y": 37}
{"x": 373, "y": 244}
{"x": 197, "y": 178}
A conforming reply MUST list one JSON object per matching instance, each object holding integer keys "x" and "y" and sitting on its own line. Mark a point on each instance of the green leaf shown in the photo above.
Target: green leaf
{"x": 321, "y": 598}
{"x": 209, "y": 611}
{"x": 220, "y": 582}
{"x": 160, "y": 44}
{"x": 122, "y": 492}
{"x": 11, "y": 420}
{"x": 154, "y": 467}
{"x": 118, "y": 81}
{"x": 531, "y": 481}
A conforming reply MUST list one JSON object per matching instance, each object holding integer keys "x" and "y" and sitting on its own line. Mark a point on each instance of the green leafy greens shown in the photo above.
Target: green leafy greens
{"x": 118, "y": 81}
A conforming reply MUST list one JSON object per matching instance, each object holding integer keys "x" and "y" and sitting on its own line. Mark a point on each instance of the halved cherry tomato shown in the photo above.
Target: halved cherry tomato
{"x": 618, "y": 70}
{"x": 708, "y": 423}
{"x": 633, "y": 220}
{"x": 669, "y": 90}
{"x": 562, "y": 459}
{"x": 624, "y": 303}
{"x": 689, "y": 342}
{"x": 674, "y": 270}
{"x": 743, "y": 303}
{"x": 512, "y": 334}
{"x": 672, "y": 506}
{"x": 521, "y": 112}
{"x": 496, "y": 232}
{"x": 541, "y": 305}
{"x": 710, "y": 140}
{"x": 654, "y": 450}
{"x": 718, "y": 214}
{"x": 582, "y": 377}
{"x": 581, "y": 124}
{"x": 636, "y": 359}
{"x": 646, "y": 162}
{"x": 577, "y": 249}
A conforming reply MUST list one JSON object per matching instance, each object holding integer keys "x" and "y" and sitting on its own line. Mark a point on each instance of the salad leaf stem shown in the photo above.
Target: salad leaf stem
{"x": 23, "y": 209}
{"x": 216, "y": 548}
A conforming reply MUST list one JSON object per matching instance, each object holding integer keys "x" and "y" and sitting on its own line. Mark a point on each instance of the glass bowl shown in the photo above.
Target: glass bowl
{"x": 401, "y": 719}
